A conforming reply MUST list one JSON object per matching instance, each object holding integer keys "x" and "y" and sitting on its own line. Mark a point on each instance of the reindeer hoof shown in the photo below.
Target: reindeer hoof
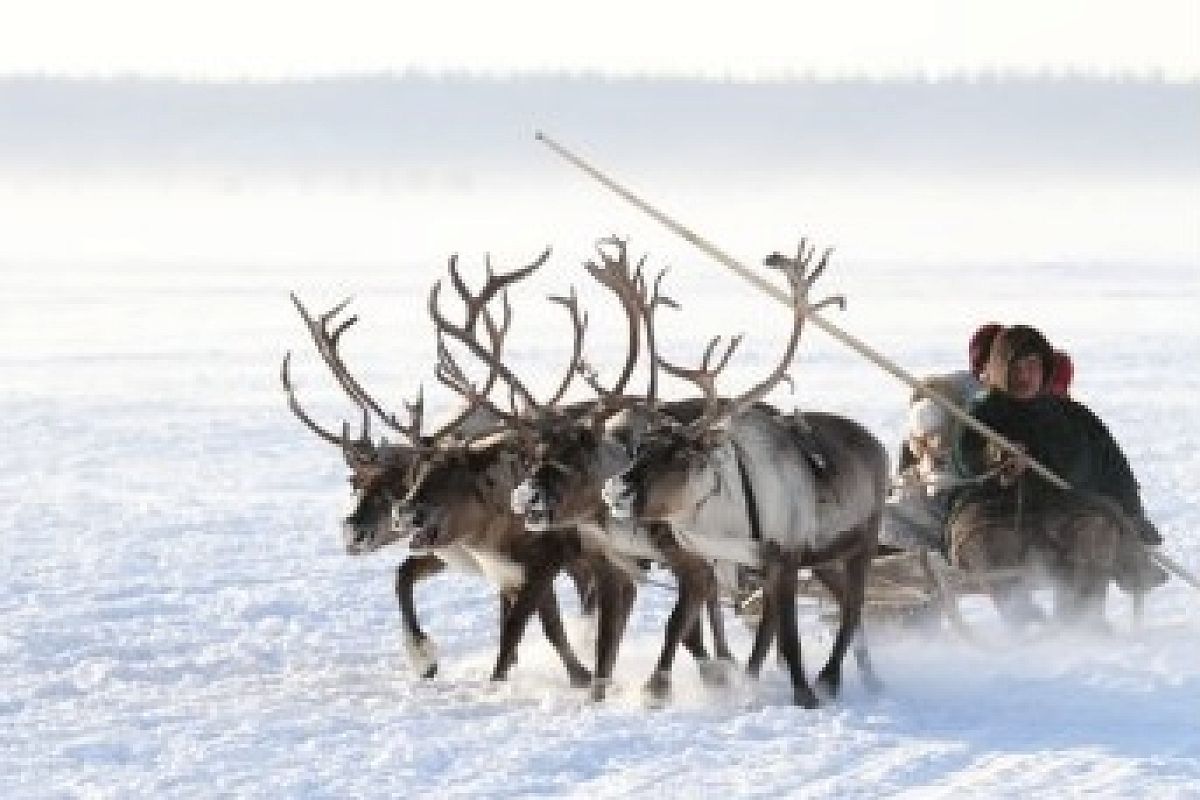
{"x": 803, "y": 696}
{"x": 714, "y": 672}
{"x": 828, "y": 684}
{"x": 599, "y": 689}
{"x": 580, "y": 678}
{"x": 658, "y": 689}
{"x": 422, "y": 653}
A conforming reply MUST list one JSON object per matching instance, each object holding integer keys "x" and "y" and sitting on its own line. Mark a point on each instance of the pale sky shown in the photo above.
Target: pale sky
{"x": 272, "y": 39}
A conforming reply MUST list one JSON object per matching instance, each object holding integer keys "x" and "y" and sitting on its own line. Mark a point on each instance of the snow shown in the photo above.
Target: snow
{"x": 179, "y": 619}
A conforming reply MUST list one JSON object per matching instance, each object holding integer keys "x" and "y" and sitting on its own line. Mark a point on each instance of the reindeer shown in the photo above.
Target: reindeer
{"x": 457, "y": 500}
{"x": 744, "y": 485}
{"x": 381, "y": 474}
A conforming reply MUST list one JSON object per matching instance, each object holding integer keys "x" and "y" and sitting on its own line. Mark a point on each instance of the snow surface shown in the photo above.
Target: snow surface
{"x": 180, "y": 620}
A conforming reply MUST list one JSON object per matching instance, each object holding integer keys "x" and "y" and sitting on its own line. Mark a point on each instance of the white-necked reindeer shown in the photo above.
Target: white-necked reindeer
{"x": 746, "y": 485}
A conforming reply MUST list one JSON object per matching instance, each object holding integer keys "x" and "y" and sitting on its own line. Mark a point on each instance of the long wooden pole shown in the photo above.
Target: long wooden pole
{"x": 854, "y": 343}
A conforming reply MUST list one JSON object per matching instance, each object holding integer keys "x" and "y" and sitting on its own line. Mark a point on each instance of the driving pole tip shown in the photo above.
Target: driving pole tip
{"x": 538, "y": 135}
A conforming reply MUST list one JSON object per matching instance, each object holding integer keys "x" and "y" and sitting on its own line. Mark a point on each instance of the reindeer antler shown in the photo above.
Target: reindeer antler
{"x": 465, "y": 333}
{"x": 615, "y": 275}
{"x": 447, "y": 370}
{"x": 705, "y": 377}
{"x": 800, "y": 279}
{"x": 355, "y": 450}
{"x": 579, "y": 327}
{"x": 327, "y": 342}
{"x": 286, "y": 377}
{"x": 649, "y": 309}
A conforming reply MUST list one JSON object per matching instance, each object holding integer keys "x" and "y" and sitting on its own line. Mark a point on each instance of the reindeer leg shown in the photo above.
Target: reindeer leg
{"x": 552, "y": 626}
{"x": 508, "y": 598}
{"x": 696, "y": 583}
{"x": 789, "y": 637}
{"x": 768, "y": 627}
{"x": 421, "y": 650}
{"x": 712, "y": 672}
{"x": 768, "y": 620}
{"x": 583, "y": 575}
{"x": 716, "y": 621}
{"x": 693, "y": 641}
{"x": 543, "y": 558}
{"x": 615, "y": 595}
{"x": 837, "y": 581}
{"x": 851, "y": 599}
{"x": 515, "y": 615}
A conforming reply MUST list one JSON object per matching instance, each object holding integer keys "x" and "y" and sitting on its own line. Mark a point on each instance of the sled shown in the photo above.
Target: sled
{"x": 919, "y": 590}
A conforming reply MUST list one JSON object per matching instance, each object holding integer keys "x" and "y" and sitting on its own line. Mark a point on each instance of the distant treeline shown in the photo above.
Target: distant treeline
{"x": 1071, "y": 124}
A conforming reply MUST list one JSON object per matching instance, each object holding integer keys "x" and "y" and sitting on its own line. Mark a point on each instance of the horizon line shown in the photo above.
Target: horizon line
{"x": 1154, "y": 76}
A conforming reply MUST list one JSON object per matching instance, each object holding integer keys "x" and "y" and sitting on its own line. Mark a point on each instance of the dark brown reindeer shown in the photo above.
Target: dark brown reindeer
{"x": 458, "y": 501}
{"x": 382, "y": 473}
{"x": 577, "y": 448}
{"x": 742, "y": 484}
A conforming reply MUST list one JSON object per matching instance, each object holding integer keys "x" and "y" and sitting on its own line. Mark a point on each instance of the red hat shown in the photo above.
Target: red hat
{"x": 980, "y": 346}
{"x": 1061, "y": 373}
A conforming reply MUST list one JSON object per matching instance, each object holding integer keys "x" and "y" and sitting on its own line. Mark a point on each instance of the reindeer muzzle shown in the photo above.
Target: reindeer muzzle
{"x": 534, "y": 501}
{"x": 620, "y": 497}
{"x": 523, "y": 497}
{"x": 358, "y": 539}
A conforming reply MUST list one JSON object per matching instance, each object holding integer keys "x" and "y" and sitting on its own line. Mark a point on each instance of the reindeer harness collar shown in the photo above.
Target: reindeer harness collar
{"x": 748, "y": 494}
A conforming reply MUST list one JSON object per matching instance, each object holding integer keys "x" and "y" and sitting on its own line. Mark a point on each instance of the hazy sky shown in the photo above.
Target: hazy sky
{"x": 266, "y": 39}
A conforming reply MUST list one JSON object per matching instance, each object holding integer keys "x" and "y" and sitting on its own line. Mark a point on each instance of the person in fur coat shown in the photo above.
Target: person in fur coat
{"x": 1061, "y": 433}
{"x": 1093, "y": 532}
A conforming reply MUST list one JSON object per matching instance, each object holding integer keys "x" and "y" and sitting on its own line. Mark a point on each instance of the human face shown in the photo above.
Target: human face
{"x": 1025, "y": 377}
{"x": 927, "y": 448}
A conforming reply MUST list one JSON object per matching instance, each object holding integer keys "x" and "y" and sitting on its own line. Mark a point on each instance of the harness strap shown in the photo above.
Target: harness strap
{"x": 748, "y": 493}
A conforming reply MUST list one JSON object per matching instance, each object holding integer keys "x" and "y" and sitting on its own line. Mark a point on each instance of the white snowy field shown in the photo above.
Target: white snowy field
{"x": 178, "y": 619}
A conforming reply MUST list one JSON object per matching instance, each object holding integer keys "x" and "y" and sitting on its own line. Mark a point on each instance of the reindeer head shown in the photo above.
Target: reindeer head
{"x": 673, "y": 471}
{"x": 461, "y": 492}
{"x": 564, "y": 474}
{"x": 382, "y": 474}
{"x": 378, "y": 486}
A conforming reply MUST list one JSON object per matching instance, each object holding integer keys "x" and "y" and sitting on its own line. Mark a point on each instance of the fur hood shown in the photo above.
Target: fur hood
{"x": 1012, "y": 344}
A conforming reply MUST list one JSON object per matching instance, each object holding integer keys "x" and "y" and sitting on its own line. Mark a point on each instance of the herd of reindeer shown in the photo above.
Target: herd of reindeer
{"x": 723, "y": 490}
